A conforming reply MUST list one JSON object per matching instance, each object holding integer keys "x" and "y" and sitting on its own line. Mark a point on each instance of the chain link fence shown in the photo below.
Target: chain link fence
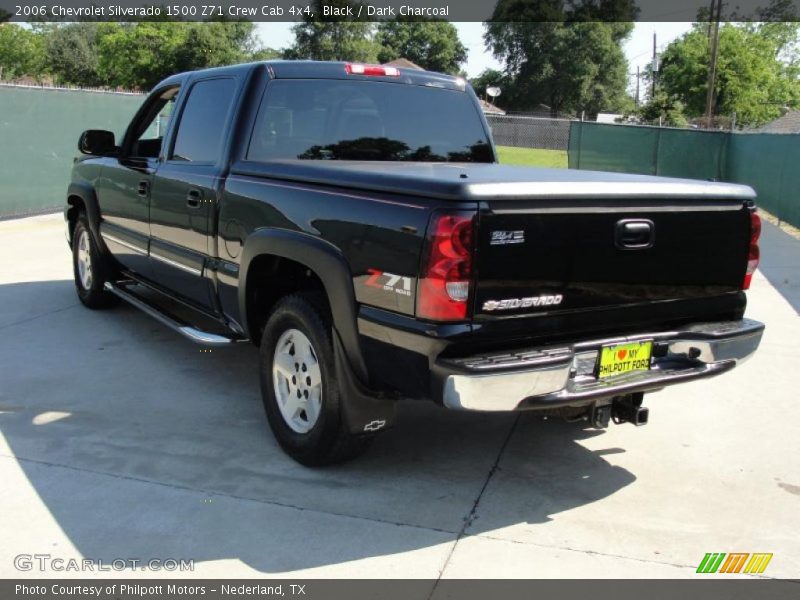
{"x": 530, "y": 132}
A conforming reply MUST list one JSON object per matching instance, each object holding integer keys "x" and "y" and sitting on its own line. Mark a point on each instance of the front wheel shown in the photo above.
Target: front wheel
{"x": 299, "y": 387}
{"x": 89, "y": 267}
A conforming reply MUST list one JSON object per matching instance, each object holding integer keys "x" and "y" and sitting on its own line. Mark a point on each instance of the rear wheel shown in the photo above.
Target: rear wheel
{"x": 90, "y": 268}
{"x": 299, "y": 387}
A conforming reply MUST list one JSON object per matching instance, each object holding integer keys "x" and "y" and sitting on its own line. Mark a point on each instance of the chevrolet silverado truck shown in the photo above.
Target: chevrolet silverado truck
{"x": 353, "y": 222}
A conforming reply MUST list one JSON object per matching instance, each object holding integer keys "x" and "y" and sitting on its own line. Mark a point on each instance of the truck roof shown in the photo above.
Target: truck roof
{"x": 314, "y": 69}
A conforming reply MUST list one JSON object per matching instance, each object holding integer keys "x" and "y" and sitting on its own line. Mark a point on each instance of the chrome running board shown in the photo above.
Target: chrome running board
{"x": 198, "y": 336}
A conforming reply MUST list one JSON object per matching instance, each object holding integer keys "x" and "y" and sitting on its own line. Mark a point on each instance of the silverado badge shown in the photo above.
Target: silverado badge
{"x": 511, "y": 303}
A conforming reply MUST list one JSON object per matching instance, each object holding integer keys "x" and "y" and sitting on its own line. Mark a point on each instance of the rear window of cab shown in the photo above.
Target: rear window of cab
{"x": 320, "y": 119}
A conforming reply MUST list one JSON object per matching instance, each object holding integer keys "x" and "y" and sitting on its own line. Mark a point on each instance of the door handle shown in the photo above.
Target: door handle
{"x": 634, "y": 234}
{"x": 194, "y": 198}
{"x": 144, "y": 187}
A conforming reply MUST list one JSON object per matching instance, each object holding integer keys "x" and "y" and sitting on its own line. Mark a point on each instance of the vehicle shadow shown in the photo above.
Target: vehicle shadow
{"x": 780, "y": 262}
{"x": 142, "y": 445}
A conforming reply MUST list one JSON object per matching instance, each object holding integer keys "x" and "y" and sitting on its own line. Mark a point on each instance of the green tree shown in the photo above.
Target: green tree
{"x": 755, "y": 78}
{"x": 215, "y": 44}
{"x": 139, "y": 55}
{"x": 571, "y": 67}
{"x": 72, "y": 53}
{"x": 570, "y": 60}
{"x": 664, "y": 108}
{"x": 432, "y": 44}
{"x": 488, "y": 77}
{"x": 22, "y": 52}
{"x": 330, "y": 38}
{"x": 266, "y": 53}
{"x": 130, "y": 55}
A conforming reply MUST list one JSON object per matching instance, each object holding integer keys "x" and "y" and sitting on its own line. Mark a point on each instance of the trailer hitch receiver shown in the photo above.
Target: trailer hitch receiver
{"x": 629, "y": 409}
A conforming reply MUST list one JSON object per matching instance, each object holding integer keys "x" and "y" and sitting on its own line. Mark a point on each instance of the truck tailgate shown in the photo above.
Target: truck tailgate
{"x": 537, "y": 257}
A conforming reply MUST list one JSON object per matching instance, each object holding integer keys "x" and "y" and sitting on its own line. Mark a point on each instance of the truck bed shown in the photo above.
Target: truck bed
{"x": 491, "y": 181}
{"x": 565, "y": 273}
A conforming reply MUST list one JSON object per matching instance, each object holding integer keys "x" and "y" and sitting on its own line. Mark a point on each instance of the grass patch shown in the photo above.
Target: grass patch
{"x": 532, "y": 157}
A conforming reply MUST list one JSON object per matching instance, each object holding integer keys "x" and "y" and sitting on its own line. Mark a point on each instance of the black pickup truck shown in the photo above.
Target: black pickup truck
{"x": 352, "y": 221}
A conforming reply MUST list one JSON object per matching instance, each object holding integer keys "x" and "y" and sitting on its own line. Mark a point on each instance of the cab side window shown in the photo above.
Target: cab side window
{"x": 150, "y": 131}
{"x": 202, "y": 123}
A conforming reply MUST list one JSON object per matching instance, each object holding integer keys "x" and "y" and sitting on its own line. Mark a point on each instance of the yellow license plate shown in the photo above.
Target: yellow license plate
{"x": 624, "y": 358}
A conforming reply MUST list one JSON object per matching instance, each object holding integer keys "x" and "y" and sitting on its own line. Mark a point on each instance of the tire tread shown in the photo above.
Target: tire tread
{"x": 97, "y": 297}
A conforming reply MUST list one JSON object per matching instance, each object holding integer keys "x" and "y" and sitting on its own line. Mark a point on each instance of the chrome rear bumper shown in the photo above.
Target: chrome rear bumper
{"x": 565, "y": 375}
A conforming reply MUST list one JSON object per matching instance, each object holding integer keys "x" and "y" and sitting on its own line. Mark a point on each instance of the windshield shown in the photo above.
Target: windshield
{"x": 365, "y": 120}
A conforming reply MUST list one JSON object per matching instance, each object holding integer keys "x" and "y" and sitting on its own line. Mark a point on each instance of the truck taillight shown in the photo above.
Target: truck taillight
{"x": 371, "y": 70}
{"x": 446, "y": 273}
{"x": 754, "y": 253}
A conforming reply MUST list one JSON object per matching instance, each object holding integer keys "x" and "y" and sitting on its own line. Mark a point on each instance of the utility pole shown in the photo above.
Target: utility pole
{"x": 637, "y": 86}
{"x": 713, "y": 30}
{"x": 710, "y": 19}
{"x": 653, "y": 69}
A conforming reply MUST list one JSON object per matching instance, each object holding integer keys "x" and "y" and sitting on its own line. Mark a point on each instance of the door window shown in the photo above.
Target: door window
{"x": 202, "y": 123}
{"x": 149, "y": 133}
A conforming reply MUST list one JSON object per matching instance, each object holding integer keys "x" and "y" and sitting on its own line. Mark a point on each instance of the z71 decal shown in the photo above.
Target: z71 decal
{"x": 389, "y": 282}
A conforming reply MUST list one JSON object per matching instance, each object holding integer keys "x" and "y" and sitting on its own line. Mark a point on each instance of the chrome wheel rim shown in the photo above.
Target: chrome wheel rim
{"x": 85, "y": 260}
{"x": 297, "y": 380}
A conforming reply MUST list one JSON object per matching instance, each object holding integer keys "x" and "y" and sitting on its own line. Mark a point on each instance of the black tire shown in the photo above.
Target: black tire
{"x": 90, "y": 290}
{"x": 327, "y": 441}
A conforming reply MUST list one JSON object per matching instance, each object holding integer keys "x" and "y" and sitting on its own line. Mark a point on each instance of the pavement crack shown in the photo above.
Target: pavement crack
{"x": 208, "y": 492}
{"x": 473, "y": 513}
{"x": 39, "y": 316}
{"x": 584, "y": 551}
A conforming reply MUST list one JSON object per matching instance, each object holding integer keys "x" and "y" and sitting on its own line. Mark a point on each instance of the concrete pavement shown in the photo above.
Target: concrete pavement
{"x": 120, "y": 440}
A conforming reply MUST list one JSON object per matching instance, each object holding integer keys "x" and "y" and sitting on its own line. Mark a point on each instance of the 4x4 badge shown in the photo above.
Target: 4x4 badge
{"x": 504, "y": 238}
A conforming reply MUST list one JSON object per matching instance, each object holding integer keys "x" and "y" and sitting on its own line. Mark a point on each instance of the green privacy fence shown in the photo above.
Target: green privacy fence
{"x": 770, "y": 163}
{"x": 39, "y": 129}
{"x": 767, "y": 162}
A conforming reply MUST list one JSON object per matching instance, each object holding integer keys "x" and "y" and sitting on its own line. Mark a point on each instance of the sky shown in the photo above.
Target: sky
{"x": 638, "y": 49}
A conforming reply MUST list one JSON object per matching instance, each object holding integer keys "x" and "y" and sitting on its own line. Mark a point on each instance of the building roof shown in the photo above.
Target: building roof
{"x": 609, "y": 117}
{"x": 788, "y": 123}
{"x": 403, "y": 63}
{"x": 490, "y": 109}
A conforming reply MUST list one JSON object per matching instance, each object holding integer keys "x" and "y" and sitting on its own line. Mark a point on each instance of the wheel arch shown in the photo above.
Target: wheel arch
{"x": 326, "y": 263}
{"x": 81, "y": 198}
